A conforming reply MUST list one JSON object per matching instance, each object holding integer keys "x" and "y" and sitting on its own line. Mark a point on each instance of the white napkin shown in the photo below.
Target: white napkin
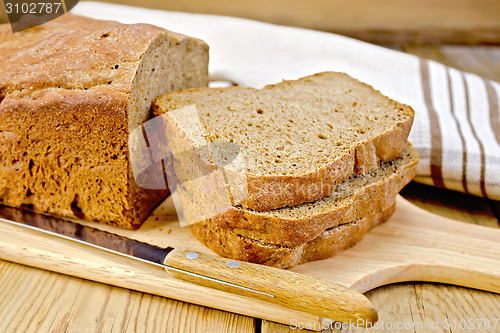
{"x": 457, "y": 122}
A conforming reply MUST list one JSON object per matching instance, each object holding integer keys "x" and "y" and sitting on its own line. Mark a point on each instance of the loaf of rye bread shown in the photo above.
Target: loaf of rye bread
{"x": 298, "y": 139}
{"x": 71, "y": 91}
{"x": 290, "y": 236}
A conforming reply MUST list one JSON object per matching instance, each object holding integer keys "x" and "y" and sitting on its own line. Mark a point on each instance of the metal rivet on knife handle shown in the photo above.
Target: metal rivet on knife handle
{"x": 233, "y": 264}
{"x": 192, "y": 255}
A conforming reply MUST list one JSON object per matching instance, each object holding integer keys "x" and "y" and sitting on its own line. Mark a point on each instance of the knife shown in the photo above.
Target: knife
{"x": 285, "y": 288}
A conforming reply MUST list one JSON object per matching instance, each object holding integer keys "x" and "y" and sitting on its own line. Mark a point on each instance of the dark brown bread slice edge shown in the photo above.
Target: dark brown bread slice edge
{"x": 230, "y": 244}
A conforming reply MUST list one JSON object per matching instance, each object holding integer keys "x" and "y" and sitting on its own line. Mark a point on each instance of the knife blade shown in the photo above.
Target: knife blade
{"x": 292, "y": 290}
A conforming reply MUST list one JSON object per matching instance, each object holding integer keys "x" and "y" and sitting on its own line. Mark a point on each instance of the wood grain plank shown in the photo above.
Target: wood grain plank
{"x": 385, "y": 21}
{"x": 418, "y": 306}
{"x": 34, "y": 300}
{"x": 495, "y": 208}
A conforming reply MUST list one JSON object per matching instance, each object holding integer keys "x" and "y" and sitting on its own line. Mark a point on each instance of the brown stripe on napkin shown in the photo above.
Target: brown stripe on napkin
{"x": 494, "y": 113}
{"x": 424, "y": 152}
{"x": 462, "y": 139}
{"x": 481, "y": 146}
{"x": 436, "y": 143}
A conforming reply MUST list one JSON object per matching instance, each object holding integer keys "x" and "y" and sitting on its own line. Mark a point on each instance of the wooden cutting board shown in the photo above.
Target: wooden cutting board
{"x": 414, "y": 245}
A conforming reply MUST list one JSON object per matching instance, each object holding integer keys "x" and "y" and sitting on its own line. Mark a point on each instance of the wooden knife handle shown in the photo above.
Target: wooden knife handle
{"x": 292, "y": 290}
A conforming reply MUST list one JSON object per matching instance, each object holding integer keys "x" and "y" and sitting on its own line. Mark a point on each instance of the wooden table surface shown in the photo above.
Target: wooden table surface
{"x": 34, "y": 300}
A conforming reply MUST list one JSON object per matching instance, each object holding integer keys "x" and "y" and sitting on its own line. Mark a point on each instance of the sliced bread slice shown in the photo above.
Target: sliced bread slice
{"x": 353, "y": 199}
{"x": 299, "y": 138}
{"x": 231, "y": 244}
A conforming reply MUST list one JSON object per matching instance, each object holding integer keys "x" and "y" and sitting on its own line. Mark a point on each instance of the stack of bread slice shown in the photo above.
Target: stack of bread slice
{"x": 324, "y": 159}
